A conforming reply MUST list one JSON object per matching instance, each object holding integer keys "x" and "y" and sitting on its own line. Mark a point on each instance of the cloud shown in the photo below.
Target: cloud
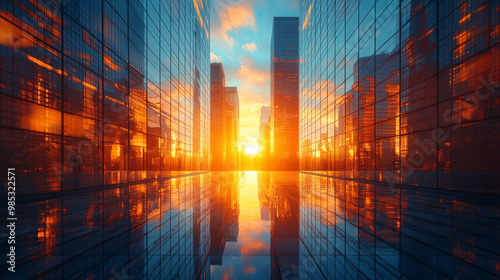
{"x": 252, "y": 75}
{"x": 252, "y": 246}
{"x": 249, "y": 269}
{"x": 250, "y": 47}
{"x": 306, "y": 23}
{"x": 253, "y": 91}
{"x": 233, "y": 17}
{"x": 214, "y": 57}
{"x": 251, "y": 100}
{"x": 249, "y": 74}
{"x": 231, "y": 42}
{"x": 234, "y": 26}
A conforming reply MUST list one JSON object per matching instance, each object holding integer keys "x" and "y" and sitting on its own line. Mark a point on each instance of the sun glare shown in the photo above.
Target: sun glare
{"x": 251, "y": 150}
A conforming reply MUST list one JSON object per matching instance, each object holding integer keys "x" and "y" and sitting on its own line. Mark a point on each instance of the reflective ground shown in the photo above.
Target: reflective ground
{"x": 257, "y": 225}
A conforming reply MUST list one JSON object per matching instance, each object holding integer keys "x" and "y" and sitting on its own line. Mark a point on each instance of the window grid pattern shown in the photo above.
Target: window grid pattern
{"x": 122, "y": 86}
{"x": 402, "y": 92}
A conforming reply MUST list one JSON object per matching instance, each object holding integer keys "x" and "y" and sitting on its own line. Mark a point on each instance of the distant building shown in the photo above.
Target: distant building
{"x": 218, "y": 116}
{"x": 232, "y": 128}
{"x": 284, "y": 124}
{"x": 264, "y": 135}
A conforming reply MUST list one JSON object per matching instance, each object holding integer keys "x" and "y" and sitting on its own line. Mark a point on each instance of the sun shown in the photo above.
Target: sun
{"x": 251, "y": 150}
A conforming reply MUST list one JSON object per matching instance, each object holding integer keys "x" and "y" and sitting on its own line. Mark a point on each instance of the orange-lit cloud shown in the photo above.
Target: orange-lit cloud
{"x": 199, "y": 7}
{"x": 252, "y": 246}
{"x": 250, "y": 74}
{"x": 240, "y": 36}
{"x": 227, "y": 272}
{"x": 306, "y": 19}
{"x": 249, "y": 269}
{"x": 253, "y": 94}
{"x": 231, "y": 41}
{"x": 215, "y": 58}
{"x": 233, "y": 17}
{"x": 250, "y": 47}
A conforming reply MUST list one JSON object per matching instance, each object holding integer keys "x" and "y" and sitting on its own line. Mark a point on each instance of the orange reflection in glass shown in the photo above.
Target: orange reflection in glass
{"x": 43, "y": 64}
{"x": 110, "y": 63}
{"x": 47, "y": 231}
{"x": 11, "y": 35}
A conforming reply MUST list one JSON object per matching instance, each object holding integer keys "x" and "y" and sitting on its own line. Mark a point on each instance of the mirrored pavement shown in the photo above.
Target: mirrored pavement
{"x": 256, "y": 225}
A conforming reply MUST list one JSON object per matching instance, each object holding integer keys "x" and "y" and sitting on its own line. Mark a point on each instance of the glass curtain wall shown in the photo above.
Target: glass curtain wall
{"x": 402, "y": 92}
{"x": 101, "y": 92}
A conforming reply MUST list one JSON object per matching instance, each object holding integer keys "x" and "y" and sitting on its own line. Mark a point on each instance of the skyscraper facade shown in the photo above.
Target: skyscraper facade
{"x": 233, "y": 128}
{"x": 264, "y": 139}
{"x": 284, "y": 122}
{"x": 102, "y": 92}
{"x": 218, "y": 123}
{"x": 402, "y": 92}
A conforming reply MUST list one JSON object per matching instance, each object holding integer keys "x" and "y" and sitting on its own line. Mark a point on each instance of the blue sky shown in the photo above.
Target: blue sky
{"x": 240, "y": 34}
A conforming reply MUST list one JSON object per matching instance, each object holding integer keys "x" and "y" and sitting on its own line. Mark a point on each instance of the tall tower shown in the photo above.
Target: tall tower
{"x": 217, "y": 116}
{"x": 264, "y": 141}
{"x": 232, "y": 127}
{"x": 285, "y": 92}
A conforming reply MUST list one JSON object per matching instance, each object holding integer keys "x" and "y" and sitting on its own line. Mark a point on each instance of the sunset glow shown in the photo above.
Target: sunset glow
{"x": 251, "y": 150}
{"x": 250, "y": 139}
{"x": 240, "y": 39}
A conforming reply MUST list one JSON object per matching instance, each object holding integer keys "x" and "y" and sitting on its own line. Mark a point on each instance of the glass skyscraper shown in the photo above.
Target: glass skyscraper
{"x": 232, "y": 128}
{"x": 98, "y": 93}
{"x": 102, "y": 92}
{"x": 401, "y": 92}
{"x": 218, "y": 124}
{"x": 284, "y": 93}
{"x": 264, "y": 138}
{"x": 111, "y": 116}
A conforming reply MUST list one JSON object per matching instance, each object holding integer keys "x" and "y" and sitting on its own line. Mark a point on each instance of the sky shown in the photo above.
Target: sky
{"x": 240, "y": 38}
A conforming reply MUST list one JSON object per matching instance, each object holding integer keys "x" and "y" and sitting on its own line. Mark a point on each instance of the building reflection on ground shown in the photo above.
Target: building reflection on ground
{"x": 258, "y": 225}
